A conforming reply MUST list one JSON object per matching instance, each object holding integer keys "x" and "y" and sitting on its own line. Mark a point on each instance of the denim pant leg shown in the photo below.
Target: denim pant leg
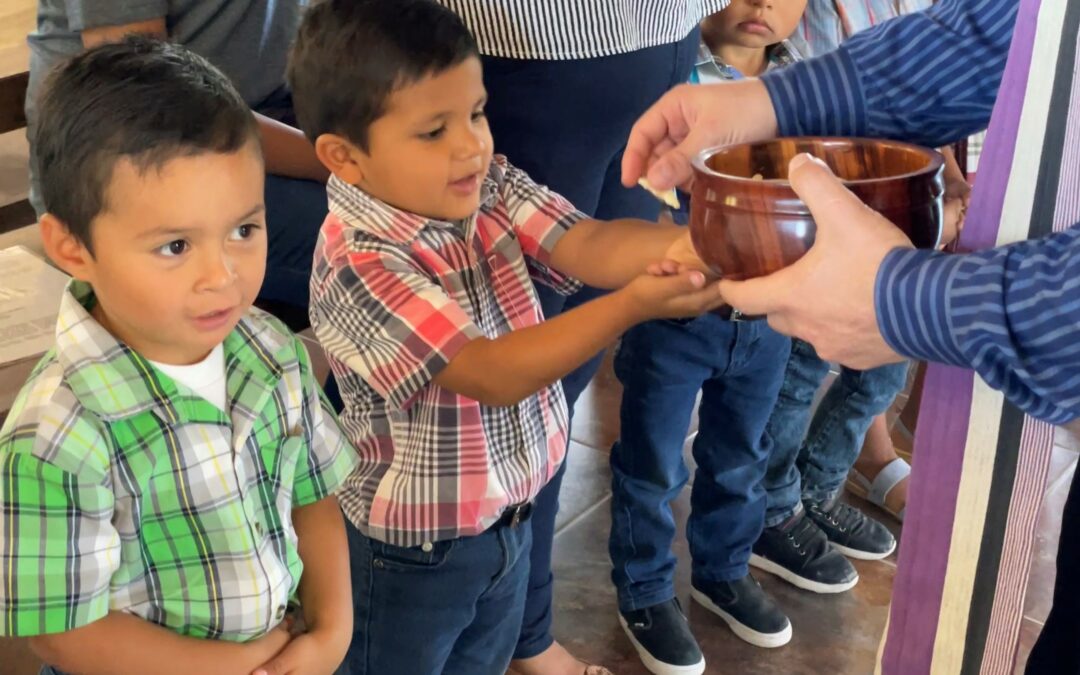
{"x": 455, "y": 609}
{"x": 578, "y": 155}
{"x": 731, "y": 450}
{"x": 787, "y": 430}
{"x": 839, "y": 426}
{"x": 662, "y": 366}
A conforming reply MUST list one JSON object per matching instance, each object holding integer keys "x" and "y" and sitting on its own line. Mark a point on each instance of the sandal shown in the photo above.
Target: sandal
{"x": 875, "y": 492}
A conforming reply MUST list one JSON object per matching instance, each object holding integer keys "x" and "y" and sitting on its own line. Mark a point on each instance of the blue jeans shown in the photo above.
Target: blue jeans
{"x": 812, "y": 464}
{"x": 455, "y": 609}
{"x": 578, "y": 154}
{"x": 738, "y": 368}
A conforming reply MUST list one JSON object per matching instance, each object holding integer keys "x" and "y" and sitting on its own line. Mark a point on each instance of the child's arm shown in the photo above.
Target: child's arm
{"x": 325, "y": 594}
{"x": 514, "y": 366}
{"x": 608, "y": 254}
{"x": 122, "y": 644}
{"x": 325, "y": 587}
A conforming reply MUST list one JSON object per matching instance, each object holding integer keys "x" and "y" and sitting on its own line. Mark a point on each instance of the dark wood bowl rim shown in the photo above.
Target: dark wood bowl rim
{"x": 936, "y": 160}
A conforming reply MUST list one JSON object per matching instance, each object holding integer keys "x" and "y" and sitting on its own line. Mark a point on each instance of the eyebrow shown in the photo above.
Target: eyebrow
{"x": 181, "y": 231}
{"x": 440, "y": 116}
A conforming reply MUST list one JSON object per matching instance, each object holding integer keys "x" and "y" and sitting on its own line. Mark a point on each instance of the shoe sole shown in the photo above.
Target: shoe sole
{"x": 766, "y": 565}
{"x": 741, "y": 630}
{"x": 656, "y": 666}
{"x": 863, "y": 555}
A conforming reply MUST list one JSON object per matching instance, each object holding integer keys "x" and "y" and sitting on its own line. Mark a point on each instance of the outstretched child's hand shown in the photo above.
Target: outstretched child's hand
{"x": 680, "y": 257}
{"x": 685, "y": 293}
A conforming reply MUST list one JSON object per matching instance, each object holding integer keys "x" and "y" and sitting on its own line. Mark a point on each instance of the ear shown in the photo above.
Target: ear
{"x": 341, "y": 157}
{"x": 64, "y": 249}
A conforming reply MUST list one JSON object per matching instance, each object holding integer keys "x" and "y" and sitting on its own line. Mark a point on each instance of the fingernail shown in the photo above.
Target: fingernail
{"x": 799, "y": 160}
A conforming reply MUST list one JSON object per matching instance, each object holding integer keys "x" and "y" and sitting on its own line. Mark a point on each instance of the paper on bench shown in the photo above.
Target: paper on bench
{"x": 30, "y": 293}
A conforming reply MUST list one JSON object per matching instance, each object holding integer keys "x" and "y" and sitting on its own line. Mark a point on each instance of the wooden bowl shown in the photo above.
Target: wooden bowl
{"x": 746, "y": 221}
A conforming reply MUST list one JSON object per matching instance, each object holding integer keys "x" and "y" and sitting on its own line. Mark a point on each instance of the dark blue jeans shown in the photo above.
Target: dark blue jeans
{"x": 295, "y": 210}
{"x": 663, "y": 365}
{"x": 454, "y": 609}
{"x": 578, "y": 153}
{"x": 812, "y": 463}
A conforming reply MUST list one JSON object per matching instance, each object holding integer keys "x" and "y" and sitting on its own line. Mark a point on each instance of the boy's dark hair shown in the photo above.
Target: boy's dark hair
{"x": 350, "y": 55}
{"x": 141, "y": 99}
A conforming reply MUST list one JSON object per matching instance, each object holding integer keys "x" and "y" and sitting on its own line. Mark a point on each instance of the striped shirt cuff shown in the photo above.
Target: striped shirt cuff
{"x": 912, "y": 300}
{"x": 818, "y": 97}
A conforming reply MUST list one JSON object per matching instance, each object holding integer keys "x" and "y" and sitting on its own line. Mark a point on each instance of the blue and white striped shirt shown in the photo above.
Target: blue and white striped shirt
{"x": 929, "y": 77}
{"x": 1011, "y": 313}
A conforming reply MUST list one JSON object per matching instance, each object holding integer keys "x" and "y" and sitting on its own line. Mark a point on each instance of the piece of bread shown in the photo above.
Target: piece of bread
{"x": 669, "y": 197}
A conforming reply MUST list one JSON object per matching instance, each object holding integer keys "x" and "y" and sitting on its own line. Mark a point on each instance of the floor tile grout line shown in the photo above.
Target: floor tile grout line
{"x": 581, "y": 516}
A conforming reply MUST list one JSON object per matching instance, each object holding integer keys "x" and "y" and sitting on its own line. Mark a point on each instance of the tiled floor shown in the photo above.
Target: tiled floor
{"x": 832, "y": 634}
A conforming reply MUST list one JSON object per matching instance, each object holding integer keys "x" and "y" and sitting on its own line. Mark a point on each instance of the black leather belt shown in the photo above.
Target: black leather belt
{"x": 729, "y": 313}
{"x": 515, "y": 515}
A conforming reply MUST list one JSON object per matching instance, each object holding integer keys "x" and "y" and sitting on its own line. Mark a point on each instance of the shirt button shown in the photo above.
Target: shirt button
{"x": 281, "y": 612}
{"x": 258, "y": 529}
{"x": 427, "y": 547}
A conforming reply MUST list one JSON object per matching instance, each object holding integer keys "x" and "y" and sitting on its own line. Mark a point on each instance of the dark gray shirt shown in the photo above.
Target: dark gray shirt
{"x": 247, "y": 39}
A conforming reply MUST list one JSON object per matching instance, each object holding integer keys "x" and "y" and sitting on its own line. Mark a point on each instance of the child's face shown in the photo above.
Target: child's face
{"x": 429, "y": 153}
{"x": 179, "y": 253}
{"x": 756, "y": 23}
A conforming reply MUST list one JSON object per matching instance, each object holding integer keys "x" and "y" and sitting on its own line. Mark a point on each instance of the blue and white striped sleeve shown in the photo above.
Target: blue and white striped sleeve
{"x": 1010, "y": 313}
{"x": 930, "y": 77}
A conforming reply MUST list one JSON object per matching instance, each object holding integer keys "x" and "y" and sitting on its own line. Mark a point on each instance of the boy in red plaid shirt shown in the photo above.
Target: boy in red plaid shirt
{"x": 421, "y": 295}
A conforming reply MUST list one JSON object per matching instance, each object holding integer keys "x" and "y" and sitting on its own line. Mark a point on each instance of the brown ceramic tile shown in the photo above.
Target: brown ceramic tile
{"x": 587, "y": 484}
{"x": 16, "y": 658}
{"x": 837, "y": 634}
{"x": 596, "y": 415}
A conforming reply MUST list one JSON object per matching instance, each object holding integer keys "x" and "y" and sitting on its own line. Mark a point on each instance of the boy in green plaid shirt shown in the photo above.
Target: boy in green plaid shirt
{"x": 167, "y": 474}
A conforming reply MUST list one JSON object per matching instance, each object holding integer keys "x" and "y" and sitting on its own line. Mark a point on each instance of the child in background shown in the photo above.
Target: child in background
{"x": 167, "y": 472}
{"x": 737, "y": 368}
{"x": 422, "y": 297}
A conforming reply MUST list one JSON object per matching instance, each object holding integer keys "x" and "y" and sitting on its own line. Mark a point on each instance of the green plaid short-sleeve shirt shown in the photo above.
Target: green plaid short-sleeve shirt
{"x": 121, "y": 490}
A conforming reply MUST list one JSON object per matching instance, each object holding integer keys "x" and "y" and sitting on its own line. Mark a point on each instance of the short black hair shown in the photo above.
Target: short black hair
{"x": 141, "y": 99}
{"x": 350, "y": 55}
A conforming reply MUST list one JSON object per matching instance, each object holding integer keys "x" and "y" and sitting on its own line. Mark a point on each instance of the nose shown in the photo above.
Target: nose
{"x": 471, "y": 143}
{"x": 218, "y": 270}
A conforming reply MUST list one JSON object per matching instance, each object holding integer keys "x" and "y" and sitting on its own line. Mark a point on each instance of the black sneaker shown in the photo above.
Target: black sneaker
{"x": 662, "y": 638}
{"x": 798, "y": 552}
{"x": 746, "y": 608}
{"x": 851, "y": 531}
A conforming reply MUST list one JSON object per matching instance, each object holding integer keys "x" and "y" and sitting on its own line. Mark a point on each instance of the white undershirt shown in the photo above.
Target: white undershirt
{"x": 206, "y": 378}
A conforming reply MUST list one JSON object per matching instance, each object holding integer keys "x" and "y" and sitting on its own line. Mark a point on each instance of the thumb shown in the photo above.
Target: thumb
{"x": 674, "y": 166}
{"x": 759, "y": 296}
{"x": 832, "y": 205}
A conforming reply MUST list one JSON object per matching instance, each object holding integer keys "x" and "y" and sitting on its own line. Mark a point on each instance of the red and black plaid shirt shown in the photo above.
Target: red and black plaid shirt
{"x": 394, "y": 297}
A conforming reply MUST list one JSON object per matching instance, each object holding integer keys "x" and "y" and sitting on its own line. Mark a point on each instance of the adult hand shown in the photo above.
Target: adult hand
{"x": 690, "y": 118}
{"x": 827, "y": 297}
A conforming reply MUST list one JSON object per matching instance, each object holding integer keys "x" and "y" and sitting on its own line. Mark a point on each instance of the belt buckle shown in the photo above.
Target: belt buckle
{"x": 518, "y": 513}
